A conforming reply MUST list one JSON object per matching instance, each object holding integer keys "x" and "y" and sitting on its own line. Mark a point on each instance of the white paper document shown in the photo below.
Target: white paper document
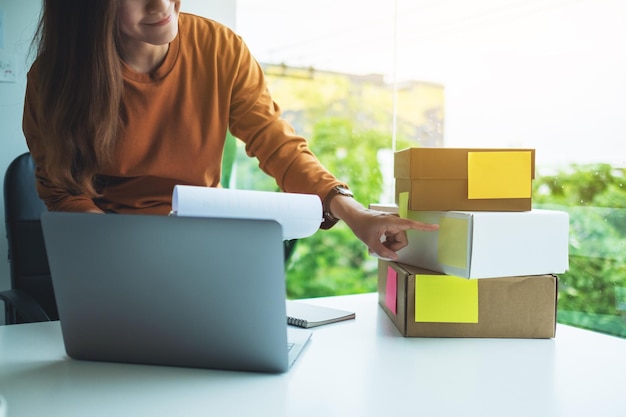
{"x": 300, "y": 215}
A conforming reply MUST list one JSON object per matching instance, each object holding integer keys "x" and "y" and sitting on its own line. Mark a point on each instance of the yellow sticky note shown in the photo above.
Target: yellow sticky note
{"x": 403, "y": 205}
{"x": 452, "y": 242}
{"x": 446, "y": 299}
{"x": 501, "y": 174}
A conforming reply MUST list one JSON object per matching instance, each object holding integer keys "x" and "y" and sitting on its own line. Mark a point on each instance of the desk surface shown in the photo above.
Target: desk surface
{"x": 363, "y": 367}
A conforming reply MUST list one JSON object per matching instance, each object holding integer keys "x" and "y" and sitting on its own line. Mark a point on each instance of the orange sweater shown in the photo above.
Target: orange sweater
{"x": 176, "y": 126}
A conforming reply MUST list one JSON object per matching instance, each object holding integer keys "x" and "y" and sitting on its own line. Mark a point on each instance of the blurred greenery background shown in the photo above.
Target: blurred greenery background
{"x": 348, "y": 130}
{"x": 592, "y": 294}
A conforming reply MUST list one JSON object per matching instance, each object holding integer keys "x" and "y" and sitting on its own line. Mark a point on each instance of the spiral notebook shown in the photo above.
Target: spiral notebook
{"x": 308, "y": 315}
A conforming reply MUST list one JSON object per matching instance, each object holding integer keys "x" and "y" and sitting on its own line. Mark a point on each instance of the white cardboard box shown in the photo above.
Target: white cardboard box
{"x": 490, "y": 244}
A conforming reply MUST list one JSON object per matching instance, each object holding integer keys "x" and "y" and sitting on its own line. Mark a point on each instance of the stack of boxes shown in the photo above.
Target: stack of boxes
{"x": 490, "y": 270}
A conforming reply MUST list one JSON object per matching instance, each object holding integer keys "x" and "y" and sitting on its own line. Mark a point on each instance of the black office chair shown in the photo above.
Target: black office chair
{"x": 31, "y": 297}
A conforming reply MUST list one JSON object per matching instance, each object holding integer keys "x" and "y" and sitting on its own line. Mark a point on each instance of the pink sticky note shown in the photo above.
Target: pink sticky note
{"x": 391, "y": 290}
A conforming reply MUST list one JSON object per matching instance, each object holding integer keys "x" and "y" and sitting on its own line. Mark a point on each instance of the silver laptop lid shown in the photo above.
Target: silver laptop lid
{"x": 194, "y": 292}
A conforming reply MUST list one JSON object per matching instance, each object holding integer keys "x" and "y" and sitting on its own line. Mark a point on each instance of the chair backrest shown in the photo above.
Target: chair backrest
{"x": 27, "y": 253}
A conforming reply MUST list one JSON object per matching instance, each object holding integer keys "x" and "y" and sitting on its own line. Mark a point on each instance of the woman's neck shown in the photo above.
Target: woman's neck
{"x": 142, "y": 57}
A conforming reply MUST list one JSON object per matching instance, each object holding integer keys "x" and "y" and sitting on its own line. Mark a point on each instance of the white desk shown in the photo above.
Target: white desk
{"x": 357, "y": 368}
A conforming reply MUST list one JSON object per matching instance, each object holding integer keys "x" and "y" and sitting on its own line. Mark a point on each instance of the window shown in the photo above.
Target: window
{"x": 362, "y": 78}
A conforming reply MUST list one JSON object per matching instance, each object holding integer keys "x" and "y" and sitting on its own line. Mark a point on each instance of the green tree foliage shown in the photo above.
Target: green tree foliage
{"x": 351, "y": 155}
{"x": 591, "y": 292}
{"x": 334, "y": 261}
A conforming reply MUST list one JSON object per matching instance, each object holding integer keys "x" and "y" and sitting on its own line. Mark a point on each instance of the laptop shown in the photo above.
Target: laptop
{"x": 176, "y": 291}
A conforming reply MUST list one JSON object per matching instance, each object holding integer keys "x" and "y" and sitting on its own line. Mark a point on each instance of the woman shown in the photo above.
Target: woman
{"x": 128, "y": 98}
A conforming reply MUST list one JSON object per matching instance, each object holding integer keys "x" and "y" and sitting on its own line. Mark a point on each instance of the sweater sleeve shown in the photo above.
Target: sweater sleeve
{"x": 55, "y": 197}
{"x": 256, "y": 119}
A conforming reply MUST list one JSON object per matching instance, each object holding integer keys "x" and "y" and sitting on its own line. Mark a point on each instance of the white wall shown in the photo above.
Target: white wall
{"x": 223, "y": 10}
{"x": 20, "y": 20}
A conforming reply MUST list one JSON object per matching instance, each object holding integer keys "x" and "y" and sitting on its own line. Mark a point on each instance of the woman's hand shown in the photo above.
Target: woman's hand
{"x": 383, "y": 233}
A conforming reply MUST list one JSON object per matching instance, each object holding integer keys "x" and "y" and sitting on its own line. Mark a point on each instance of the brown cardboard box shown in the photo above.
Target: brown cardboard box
{"x": 508, "y": 307}
{"x": 493, "y": 179}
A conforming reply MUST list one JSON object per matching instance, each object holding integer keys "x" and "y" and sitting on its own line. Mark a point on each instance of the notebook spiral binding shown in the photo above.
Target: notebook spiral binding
{"x": 297, "y": 322}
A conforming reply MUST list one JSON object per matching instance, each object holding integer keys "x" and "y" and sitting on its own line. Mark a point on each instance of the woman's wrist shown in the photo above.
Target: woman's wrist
{"x": 329, "y": 216}
{"x": 345, "y": 208}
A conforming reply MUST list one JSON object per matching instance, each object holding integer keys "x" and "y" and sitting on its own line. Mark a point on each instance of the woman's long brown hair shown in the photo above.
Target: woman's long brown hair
{"x": 80, "y": 87}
